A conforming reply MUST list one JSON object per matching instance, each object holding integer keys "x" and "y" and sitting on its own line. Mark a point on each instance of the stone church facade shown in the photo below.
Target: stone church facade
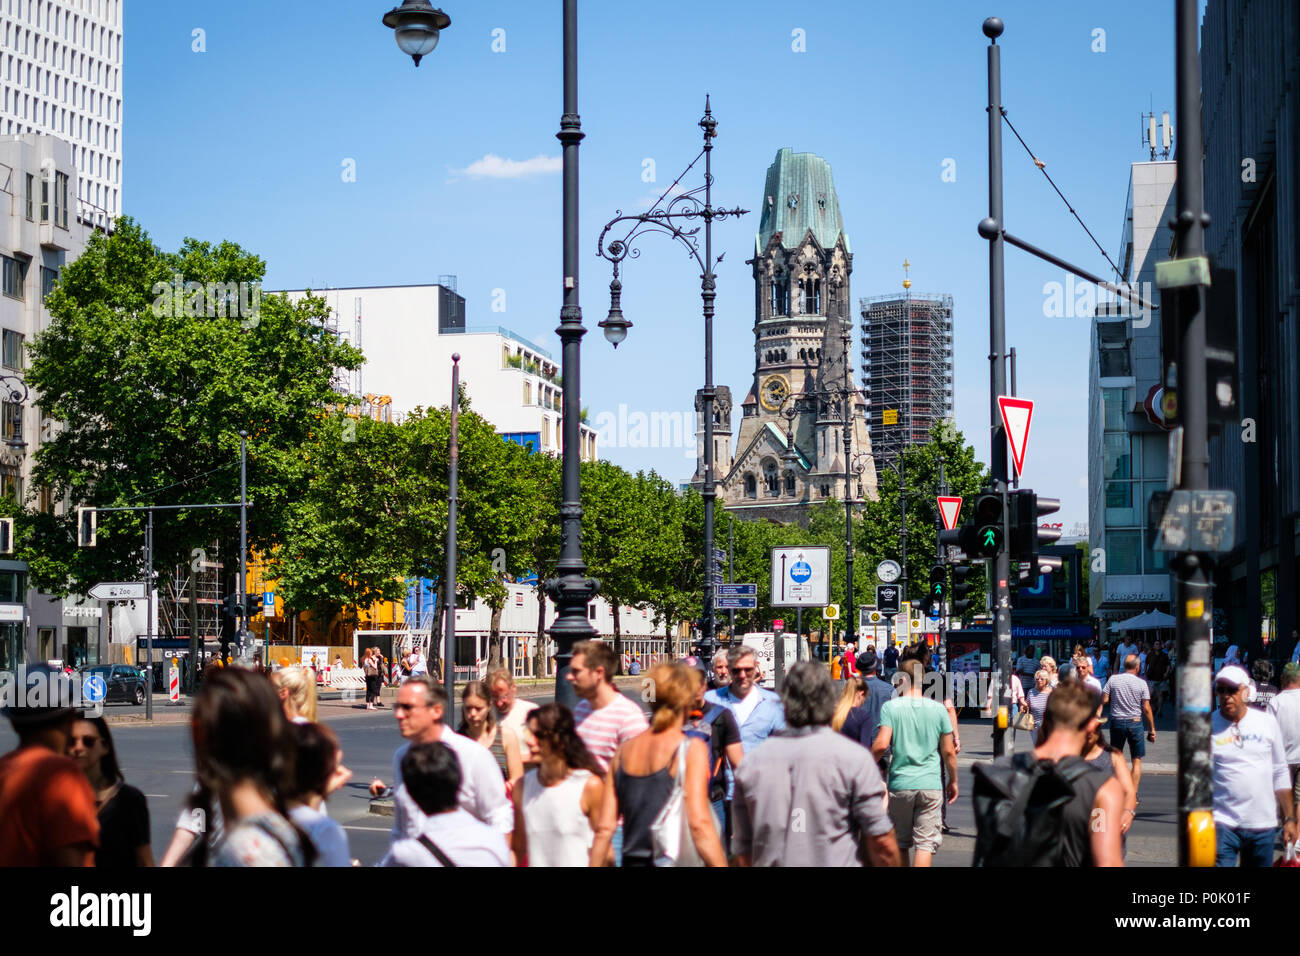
{"x": 789, "y": 452}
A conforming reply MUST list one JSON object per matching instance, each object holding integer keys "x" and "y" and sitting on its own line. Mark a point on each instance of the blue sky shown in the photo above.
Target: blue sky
{"x": 249, "y": 140}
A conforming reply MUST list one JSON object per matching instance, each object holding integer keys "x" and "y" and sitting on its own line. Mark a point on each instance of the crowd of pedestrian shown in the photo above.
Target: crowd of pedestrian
{"x": 723, "y": 771}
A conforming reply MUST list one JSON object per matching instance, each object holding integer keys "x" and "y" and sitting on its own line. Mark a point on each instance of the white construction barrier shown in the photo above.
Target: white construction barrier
{"x": 342, "y": 678}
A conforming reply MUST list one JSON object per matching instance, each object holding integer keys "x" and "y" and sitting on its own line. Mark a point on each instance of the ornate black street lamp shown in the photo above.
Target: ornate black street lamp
{"x": 665, "y": 219}
{"x": 416, "y": 25}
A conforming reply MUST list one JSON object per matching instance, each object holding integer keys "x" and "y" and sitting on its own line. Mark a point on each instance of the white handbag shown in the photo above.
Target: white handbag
{"x": 670, "y": 834}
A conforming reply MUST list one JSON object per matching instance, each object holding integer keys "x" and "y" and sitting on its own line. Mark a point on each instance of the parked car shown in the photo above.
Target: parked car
{"x": 125, "y": 683}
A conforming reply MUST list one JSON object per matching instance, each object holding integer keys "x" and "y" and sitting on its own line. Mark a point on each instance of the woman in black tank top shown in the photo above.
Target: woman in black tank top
{"x": 1112, "y": 762}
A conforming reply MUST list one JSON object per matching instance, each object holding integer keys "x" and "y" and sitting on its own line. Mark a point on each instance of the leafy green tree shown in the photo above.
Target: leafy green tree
{"x": 880, "y": 531}
{"x": 150, "y": 391}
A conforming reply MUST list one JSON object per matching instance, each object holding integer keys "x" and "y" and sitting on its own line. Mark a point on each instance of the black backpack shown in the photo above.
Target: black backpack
{"x": 1021, "y": 807}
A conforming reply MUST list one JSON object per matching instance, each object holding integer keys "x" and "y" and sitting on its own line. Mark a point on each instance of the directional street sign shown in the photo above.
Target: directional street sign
{"x": 118, "y": 591}
{"x": 736, "y": 603}
{"x": 801, "y": 576}
{"x": 949, "y": 509}
{"x": 719, "y": 556}
{"x": 736, "y": 590}
{"x": 1016, "y": 416}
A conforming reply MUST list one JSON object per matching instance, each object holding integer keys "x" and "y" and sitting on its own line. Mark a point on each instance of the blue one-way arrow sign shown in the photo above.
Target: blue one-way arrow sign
{"x": 736, "y": 590}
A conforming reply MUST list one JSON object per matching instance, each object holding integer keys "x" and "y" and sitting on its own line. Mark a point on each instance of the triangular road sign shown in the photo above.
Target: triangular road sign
{"x": 949, "y": 508}
{"x": 1016, "y": 416}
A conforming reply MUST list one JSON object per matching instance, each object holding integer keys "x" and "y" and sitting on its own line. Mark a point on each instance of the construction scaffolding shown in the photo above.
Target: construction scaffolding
{"x": 203, "y": 574}
{"x": 907, "y": 369}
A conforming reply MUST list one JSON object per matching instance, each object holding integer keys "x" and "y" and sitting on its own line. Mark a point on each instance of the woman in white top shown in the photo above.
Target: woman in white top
{"x": 557, "y": 807}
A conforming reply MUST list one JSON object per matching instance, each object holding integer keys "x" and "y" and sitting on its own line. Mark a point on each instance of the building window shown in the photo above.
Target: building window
{"x": 45, "y": 199}
{"x": 11, "y": 423}
{"x": 47, "y": 499}
{"x": 528, "y": 393}
{"x": 13, "y": 346}
{"x": 751, "y": 486}
{"x": 1117, "y": 462}
{"x": 61, "y": 200}
{"x": 15, "y": 282}
{"x": 1123, "y": 552}
{"x": 11, "y": 484}
{"x": 812, "y": 295}
{"x": 1113, "y": 405}
{"x": 780, "y": 295}
{"x": 789, "y": 485}
{"x": 591, "y": 612}
{"x": 31, "y": 196}
{"x": 48, "y": 278}
{"x": 771, "y": 479}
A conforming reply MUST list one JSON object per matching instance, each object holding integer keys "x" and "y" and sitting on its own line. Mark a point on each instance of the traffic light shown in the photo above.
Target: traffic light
{"x": 961, "y": 601}
{"x": 938, "y": 583}
{"x": 253, "y": 604}
{"x": 230, "y": 607}
{"x": 86, "y": 520}
{"x": 1026, "y": 536}
{"x": 985, "y": 535}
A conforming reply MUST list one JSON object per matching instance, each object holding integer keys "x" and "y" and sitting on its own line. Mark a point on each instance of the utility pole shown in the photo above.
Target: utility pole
{"x": 453, "y": 491}
{"x": 731, "y": 574}
{"x": 998, "y": 386}
{"x": 1193, "y": 601}
{"x": 245, "y": 652}
{"x": 850, "y": 633}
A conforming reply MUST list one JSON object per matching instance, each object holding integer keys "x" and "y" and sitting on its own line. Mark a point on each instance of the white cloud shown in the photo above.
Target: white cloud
{"x": 493, "y": 166}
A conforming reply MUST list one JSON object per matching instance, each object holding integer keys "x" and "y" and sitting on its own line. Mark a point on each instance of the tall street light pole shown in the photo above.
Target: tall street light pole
{"x": 416, "y": 25}
{"x": 851, "y": 628}
{"x": 663, "y": 219}
{"x": 245, "y": 649}
{"x": 453, "y": 501}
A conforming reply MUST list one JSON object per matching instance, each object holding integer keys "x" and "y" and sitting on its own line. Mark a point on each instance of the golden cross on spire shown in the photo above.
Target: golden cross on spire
{"x": 907, "y": 282}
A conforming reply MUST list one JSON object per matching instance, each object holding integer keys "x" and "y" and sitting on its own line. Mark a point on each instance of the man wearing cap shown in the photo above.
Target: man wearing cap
{"x": 1249, "y": 761}
{"x": 864, "y": 720}
{"x": 47, "y": 809}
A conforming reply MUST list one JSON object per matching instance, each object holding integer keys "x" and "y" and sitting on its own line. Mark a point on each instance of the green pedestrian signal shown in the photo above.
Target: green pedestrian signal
{"x": 990, "y": 539}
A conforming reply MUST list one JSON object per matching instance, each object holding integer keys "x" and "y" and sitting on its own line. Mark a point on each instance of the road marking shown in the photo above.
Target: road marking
{"x": 376, "y": 829}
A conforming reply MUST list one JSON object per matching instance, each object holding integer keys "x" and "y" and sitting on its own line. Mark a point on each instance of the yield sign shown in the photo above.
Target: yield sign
{"x": 1016, "y": 415}
{"x": 949, "y": 508}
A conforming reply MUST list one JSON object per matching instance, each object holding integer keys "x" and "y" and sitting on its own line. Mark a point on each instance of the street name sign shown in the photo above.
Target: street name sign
{"x": 801, "y": 576}
{"x": 1198, "y": 521}
{"x": 1017, "y": 413}
{"x": 735, "y": 590}
{"x": 118, "y": 591}
{"x": 736, "y": 603}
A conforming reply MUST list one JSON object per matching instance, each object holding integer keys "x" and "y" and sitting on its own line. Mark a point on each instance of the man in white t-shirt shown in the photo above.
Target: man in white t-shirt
{"x": 419, "y": 710}
{"x": 1129, "y": 646}
{"x": 443, "y": 832}
{"x": 1251, "y": 777}
{"x": 1285, "y": 708}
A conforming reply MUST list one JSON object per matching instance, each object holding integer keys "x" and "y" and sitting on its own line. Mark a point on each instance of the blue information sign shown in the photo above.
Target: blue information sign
{"x": 736, "y": 590}
{"x": 736, "y": 603}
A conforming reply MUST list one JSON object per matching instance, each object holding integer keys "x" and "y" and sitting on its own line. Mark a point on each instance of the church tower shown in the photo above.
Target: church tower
{"x": 789, "y": 453}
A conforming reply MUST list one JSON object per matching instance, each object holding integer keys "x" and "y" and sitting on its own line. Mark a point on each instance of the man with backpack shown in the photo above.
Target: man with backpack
{"x": 716, "y": 725}
{"x": 1050, "y": 807}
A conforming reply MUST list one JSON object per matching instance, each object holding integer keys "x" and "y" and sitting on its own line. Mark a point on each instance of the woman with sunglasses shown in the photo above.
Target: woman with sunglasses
{"x": 123, "y": 810}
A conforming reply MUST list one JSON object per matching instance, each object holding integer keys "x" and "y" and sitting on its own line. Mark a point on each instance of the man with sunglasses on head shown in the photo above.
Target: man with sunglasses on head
{"x": 1251, "y": 777}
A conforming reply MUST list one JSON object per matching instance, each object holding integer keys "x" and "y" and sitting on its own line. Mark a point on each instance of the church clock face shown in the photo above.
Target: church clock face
{"x": 773, "y": 392}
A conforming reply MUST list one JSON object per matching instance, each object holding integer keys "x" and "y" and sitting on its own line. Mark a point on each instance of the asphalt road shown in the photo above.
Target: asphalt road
{"x": 159, "y": 760}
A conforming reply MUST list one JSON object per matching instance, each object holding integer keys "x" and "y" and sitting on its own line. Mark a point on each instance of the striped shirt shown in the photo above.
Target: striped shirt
{"x": 604, "y": 729}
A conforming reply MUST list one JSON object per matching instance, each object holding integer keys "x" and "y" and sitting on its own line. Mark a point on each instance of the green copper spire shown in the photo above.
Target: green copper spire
{"x": 799, "y": 195}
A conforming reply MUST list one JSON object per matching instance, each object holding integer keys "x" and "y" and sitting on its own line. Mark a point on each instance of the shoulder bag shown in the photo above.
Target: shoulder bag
{"x": 670, "y": 834}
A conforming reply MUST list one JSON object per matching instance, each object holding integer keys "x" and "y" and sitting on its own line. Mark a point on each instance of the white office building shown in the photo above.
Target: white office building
{"x": 61, "y": 63}
{"x": 409, "y": 334}
{"x": 38, "y": 180}
{"x": 1127, "y": 446}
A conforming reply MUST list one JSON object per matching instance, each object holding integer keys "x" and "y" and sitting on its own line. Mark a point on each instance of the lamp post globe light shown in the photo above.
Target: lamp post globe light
{"x": 666, "y": 216}
{"x": 416, "y": 25}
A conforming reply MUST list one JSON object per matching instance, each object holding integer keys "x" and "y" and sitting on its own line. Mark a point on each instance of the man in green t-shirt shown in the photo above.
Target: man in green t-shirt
{"x": 920, "y": 733}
